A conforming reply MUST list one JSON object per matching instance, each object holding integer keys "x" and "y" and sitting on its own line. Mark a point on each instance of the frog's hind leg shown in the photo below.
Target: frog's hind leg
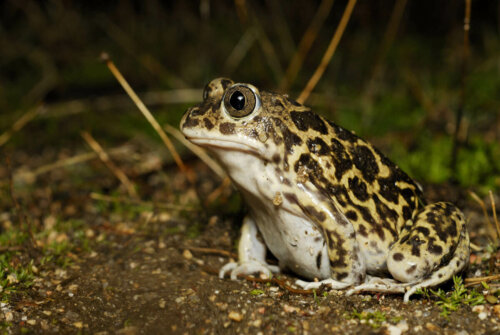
{"x": 458, "y": 263}
{"x": 251, "y": 254}
{"x": 432, "y": 248}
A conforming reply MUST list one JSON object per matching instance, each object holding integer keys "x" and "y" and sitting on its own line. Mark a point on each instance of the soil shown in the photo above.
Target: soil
{"x": 153, "y": 270}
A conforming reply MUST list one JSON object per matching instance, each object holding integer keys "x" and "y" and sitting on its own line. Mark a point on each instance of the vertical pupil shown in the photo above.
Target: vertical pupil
{"x": 237, "y": 100}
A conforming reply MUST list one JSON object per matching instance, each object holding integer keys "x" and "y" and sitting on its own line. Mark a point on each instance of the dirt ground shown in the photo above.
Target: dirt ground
{"x": 145, "y": 270}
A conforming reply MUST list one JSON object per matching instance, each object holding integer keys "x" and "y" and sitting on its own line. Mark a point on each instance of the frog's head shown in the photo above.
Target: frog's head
{"x": 238, "y": 117}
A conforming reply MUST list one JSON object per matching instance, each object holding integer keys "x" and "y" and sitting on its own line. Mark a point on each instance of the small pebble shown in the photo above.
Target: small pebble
{"x": 187, "y": 254}
{"x": 235, "y": 316}
{"x": 496, "y": 310}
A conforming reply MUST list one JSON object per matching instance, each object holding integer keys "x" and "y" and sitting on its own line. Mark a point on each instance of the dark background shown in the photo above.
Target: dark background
{"x": 402, "y": 95}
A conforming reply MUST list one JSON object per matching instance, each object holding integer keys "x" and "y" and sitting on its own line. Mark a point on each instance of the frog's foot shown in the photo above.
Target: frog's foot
{"x": 377, "y": 284}
{"x": 248, "y": 268}
{"x": 332, "y": 283}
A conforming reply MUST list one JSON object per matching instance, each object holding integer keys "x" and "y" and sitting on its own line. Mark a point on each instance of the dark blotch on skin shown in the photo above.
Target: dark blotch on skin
{"x": 190, "y": 122}
{"x": 277, "y": 103}
{"x": 398, "y": 256}
{"x": 341, "y": 160}
{"x": 351, "y": 215}
{"x": 362, "y": 230}
{"x": 342, "y": 275}
{"x": 306, "y": 120}
{"x": 276, "y": 158}
{"x": 425, "y": 231}
{"x": 318, "y": 146}
{"x": 411, "y": 269}
{"x": 388, "y": 189}
{"x": 292, "y": 198}
{"x": 415, "y": 243}
{"x": 321, "y": 216}
{"x": 343, "y": 134}
{"x": 318, "y": 260}
{"x": 226, "y": 83}
{"x": 364, "y": 160}
{"x": 291, "y": 139}
{"x": 335, "y": 243}
{"x": 227, "y": 128}
{"x": 407, "y": 213}
{"x": 433, "y": 248}
{"x": 208, "y": 124}
{"x": 293, "y": 102}
{"x": 358, "y": 188}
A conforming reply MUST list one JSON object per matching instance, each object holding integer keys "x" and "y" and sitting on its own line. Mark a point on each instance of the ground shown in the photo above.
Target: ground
{"x": 133, "y": 267}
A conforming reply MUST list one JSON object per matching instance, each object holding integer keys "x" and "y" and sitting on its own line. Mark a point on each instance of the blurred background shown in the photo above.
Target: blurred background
{"x": 398, "y": 77}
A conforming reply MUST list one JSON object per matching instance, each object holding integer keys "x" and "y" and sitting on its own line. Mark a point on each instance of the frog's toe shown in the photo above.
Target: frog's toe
{"x": 229, "y": 267}
{"x": 332, "y": 283}
{"x": 247, "y": 268}
{"x": 377, "y": 284}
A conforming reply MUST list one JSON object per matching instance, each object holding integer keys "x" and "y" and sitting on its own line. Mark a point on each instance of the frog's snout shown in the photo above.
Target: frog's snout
{"x": 189, "y": 119}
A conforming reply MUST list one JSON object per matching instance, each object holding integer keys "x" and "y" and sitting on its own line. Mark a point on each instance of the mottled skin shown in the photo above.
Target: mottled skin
{"x": 327, "y": 203}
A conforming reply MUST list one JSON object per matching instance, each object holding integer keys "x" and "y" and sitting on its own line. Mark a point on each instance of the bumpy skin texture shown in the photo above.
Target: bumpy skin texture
{"x": 326, "y": 203}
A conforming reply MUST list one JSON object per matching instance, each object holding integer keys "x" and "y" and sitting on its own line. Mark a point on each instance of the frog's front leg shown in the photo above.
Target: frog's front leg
{"x": 347, "y": 266}
{"x": 251, "y": 254}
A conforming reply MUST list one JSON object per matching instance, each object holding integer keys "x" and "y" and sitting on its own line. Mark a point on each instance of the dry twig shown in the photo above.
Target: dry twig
{"x": 104, "y": 157}
{"x": 218, "y": 191}
{"x": 461, "y": 106}
{"x": 494, "y": 210}
{"x": 107, "y": 198}
{"x": 479, "y": 280}
{"x": 197, "y": 151}
{"x": 147, "y": 114}
{"x": 389, "y": 36}
{"x": 213, "y": 251}
{"x": 20, "y": 123}
{"x": 65, "y": 162}
{"x": 490, "y": 226}
{"x": 305, "y": 44}
{"x": 122, "y": 101}
{"x": 329, "y": 53}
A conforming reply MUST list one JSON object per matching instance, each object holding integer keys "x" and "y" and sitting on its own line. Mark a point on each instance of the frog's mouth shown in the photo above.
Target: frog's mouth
{"x": 226, "y": 145}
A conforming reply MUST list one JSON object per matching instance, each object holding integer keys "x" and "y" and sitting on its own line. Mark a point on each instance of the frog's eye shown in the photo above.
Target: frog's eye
{"x": 240, "y": 101}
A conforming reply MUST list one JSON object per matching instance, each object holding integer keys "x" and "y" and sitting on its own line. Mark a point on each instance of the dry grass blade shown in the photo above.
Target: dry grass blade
{"x": 387, "y": 41}
{"x": 147, "y": 114}
{"x": 213, "y": 252}
{"x": 136, "y": 202}
{"x": 479, "y": 280}
{"x": 305, "y": 44}
{"x": 240, "y": 50}
{"x": 101, "y": 103}
{"x": 104, "y": 157}
{"x": 329, "y": 52}
{"x": 494, "y": 210}
{"x": 461, "y": 105}
{"x": 29, "y": 176}
{"x": 218, "y": 191}
{"x": 485, "y": 213}
{"x": 20, "y": 123}
{"x": 197, "y": 151}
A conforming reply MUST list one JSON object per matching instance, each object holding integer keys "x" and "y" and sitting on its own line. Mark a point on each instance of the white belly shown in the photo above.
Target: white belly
{"x": 297, "y": 244}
